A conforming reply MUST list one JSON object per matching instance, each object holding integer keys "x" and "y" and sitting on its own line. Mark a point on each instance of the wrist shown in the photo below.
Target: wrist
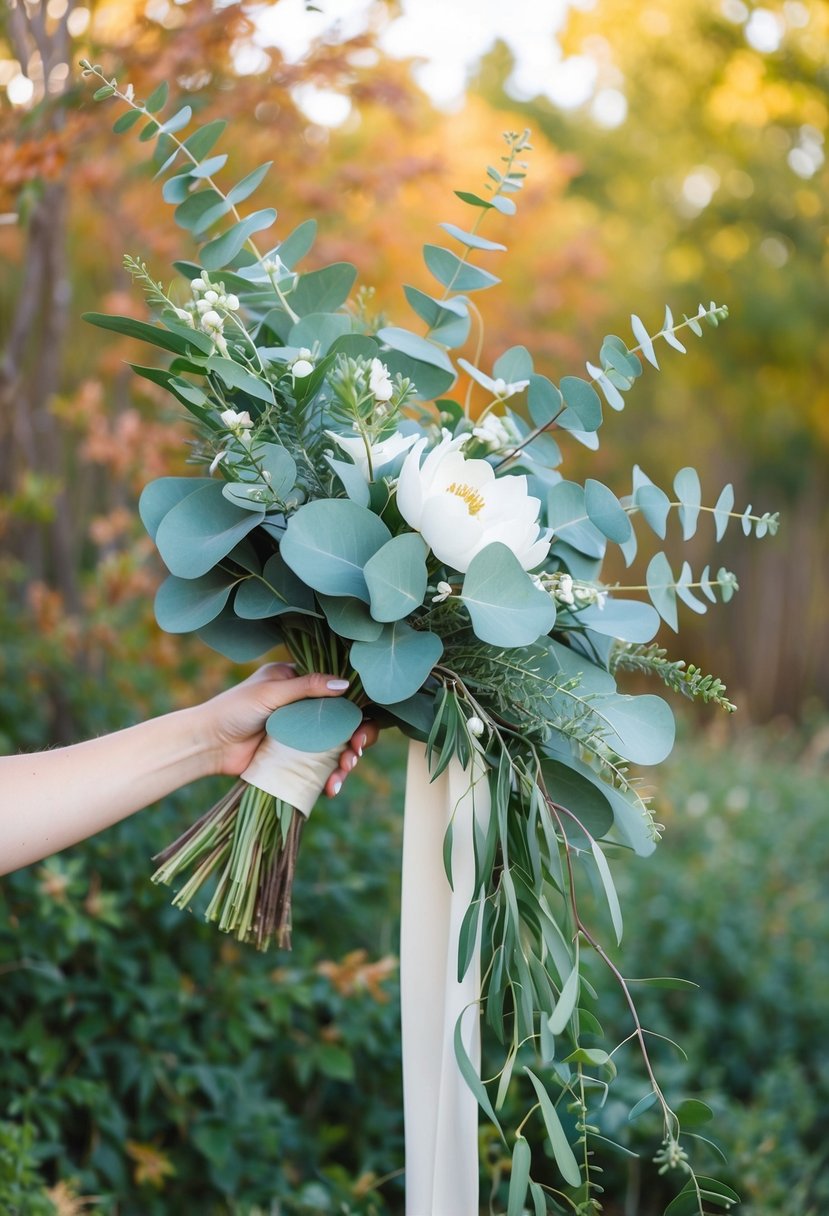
{"x": 198, "y": 742}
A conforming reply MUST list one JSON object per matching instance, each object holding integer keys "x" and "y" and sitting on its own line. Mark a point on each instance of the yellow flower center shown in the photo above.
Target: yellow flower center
{"x": 473, "y": 498}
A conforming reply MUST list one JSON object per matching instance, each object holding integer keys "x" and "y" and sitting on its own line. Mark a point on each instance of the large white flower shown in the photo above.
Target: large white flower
{"x": 381, "y": 453}
{"x": 459, "y": 506}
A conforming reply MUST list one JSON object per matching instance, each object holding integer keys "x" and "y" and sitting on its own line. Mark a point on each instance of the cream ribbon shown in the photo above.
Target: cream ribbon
{"x": 296, "y": 777}
{"x": 441, "y": 1112}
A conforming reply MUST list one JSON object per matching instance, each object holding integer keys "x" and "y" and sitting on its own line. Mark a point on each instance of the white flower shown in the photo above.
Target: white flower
{"x": 185, "y": 316}
{"x": 211, "y": 322}
{"x": 379, "y": 381}
{"x": 217, "y": 460}
{"x": 302, "y": 367}
{"x": 476, "y": 726}
{"x": 236, "y": 420}
{"x": 232, "y": 303}
{"x": 498, "y": 433}
{"x": 211, "y": 296}
{"x": 502, "y": 389}
{"x": 444, "y": 590}
{"x": 564, "y": 589}
{"x": 381, "y": 453}
{"x": 198, "y": 285}
{"x": 460, "y": 507}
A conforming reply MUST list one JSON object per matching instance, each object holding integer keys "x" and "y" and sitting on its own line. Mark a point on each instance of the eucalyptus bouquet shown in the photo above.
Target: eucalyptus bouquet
{"x": 429, "y": 550}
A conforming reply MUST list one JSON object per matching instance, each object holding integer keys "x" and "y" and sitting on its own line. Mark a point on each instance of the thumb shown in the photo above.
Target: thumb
{"x": 284, "y": 692}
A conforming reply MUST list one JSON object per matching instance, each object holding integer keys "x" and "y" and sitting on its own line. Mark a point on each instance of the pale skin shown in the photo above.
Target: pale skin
{"x": 50, "y": 800}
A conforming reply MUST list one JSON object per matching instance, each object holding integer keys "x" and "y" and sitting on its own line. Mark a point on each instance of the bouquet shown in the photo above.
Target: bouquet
{"x": 427, "y": 548}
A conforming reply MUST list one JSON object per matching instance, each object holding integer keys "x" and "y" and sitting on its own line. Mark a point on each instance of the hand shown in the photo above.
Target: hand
{"x": 234, "y": 721}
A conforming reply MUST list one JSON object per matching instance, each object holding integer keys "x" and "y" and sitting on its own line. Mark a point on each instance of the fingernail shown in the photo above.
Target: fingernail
{"x": 336, "y": 787}
{"x": 361, "y": 742}
{"x": 351, "y": 761}
{"x": 337, "y": 685}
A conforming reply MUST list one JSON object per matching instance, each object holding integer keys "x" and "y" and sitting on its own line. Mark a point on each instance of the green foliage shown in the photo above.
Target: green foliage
{"x": 675, "y": 674}
{"x": 246, "y": 1081}
{"x": 22, "y": 1188}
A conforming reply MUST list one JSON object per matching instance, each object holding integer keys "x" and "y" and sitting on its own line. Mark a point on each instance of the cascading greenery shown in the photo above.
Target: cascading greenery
{"x": 311, "y": 528}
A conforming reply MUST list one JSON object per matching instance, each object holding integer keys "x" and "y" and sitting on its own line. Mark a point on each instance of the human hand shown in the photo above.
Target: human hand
{"x": 234, "y": 721}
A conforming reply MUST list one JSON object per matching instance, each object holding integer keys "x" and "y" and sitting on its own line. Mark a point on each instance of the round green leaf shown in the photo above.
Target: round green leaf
{"x": 396, "y": 576}
{"x": 238, "y": 640}
{"x": 505, "y": 606}
{"x": 277, "y": 591}
{"x": 328, "y": 542}
{"x": 396, "y": 665}
{"x": 580, "y": 796}
{"x": 161, "y": 495}
{"x": 350, "y": 618}
{"x": 316, "y": 724}
{"x": 606, "y": 512}
{"x": 185, "y": 604}
{"x": 202, "y": 529}
{"x": 641, "y": 729}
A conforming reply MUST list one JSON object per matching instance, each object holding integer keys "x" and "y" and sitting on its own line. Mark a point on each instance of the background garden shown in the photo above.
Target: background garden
{"x": 148, "y": 1066}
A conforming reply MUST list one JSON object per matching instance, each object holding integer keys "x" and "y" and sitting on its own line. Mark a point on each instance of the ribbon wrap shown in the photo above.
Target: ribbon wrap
{"x": 296, "y": 777}
{"x": 441, "y": 1112}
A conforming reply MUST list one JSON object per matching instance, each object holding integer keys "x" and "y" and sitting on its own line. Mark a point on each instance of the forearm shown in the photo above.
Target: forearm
{"x": 53, "y": 799}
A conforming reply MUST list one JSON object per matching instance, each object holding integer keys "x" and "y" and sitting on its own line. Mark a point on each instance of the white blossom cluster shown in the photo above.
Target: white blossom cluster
{"x": 569, "y": 591}
{"x": 209, "y": 310}
{"x": 500, "y": 434}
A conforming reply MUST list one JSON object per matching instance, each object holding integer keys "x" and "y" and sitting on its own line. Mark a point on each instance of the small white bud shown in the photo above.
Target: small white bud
{"x": 211, "y": 296}
{"x": 301, "y": 368}
{"x": 211, "y": 320}
{"x": 198, "y": 285}
{"x": 444, "y": 590}
{"x": 476, "y": 726}
{"x": 232, "y": 303}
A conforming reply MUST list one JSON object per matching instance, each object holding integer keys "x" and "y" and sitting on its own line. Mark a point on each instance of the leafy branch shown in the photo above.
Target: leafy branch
{"x": 674, "y": 673}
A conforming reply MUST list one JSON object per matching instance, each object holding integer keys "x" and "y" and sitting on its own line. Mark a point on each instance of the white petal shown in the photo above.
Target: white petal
{"x": 410, "y": 487}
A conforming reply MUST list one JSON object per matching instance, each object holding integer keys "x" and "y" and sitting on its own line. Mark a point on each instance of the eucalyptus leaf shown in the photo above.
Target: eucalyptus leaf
{"x": 641, "y": 729}
{"x": 350, "y": 618}
{"x": 160, "y": 496}
{"x": 662, "y": 589}
{"x": 200, "y": 530}
{"x": 562, "y": 1152}
{"x": 567, "y": 516}
{"x": 505, "y": 606}
{"x": 396, "y": 576}
{"x": 580, "y": 397}
{"x": 221, "y": 251}
{"x": 416, "y": 347}
{"x": 584, "y": 799}
{"x": 396, "y": 665}
{"x": 606, "y": 512}
{"x": 689, "y": 493}
{"x": 627, "y": 620}
{"x": 298, "y": 243}
{"x": 519, "y": 1177}
{"x": 164, "y": 339}
{"x": 472, "y": 240}
{"x": 328, "y": 542}
{"x": 276, "y": 591}
{"x": 238, "y": 377}
{"x": 323, "y": 290}
{"x": 183, "y": 604}
{"x": 315, "y": 724}
{"x": 454, "y": 273}
{"x": 238, "y": 640}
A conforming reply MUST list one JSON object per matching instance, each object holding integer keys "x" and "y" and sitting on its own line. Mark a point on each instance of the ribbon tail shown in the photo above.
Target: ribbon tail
{"x": 441, "y": 1112}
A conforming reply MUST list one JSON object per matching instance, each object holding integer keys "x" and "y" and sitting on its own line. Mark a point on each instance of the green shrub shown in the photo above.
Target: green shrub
{"x": 166, "y": 1069}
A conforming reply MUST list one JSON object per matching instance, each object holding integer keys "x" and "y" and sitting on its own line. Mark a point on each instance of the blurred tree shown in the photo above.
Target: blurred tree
{"x": 702, "y": 173}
